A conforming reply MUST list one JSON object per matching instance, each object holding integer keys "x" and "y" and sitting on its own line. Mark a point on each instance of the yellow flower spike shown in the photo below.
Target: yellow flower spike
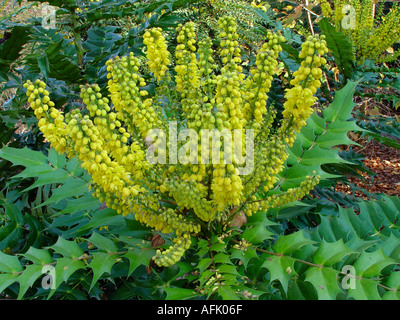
{"x": 156, "y": 52}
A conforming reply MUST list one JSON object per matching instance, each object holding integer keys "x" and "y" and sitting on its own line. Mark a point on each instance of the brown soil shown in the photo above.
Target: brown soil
{"x": 384, "y": 162}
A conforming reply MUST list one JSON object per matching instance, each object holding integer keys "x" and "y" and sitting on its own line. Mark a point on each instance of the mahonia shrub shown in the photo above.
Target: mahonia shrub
{"x": 193, "y": 90}
{"x": 371, "y": 32}
{"x": 206, "y": 14}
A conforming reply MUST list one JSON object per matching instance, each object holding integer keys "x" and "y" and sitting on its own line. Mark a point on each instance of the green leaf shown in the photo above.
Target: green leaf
{"x": 54, "y": 176}
{"x": 324, "y": 281}
{"x": 6, "y": 280}
{"x": 331, "y": 139}
{"x": 63, "y": 270}
{"x": 391, "y": 295}
{"x": 281, "y": 268}
{"x": 340, "y": 46}
{"x": 222, "y": 258}
{"x": 104, "y": 244}
{"x": 365, "y": 289}
{"x": 329, "y": 253}
{"x": 204, "y": 264}
{"x": 225, "y": 268}
{"x": 14, "y": 234}
{"x": 38, "y": 256}
{"x": 15, "y": 215}
{"x": 244, "y": 255}
{"x": 370, "y": 264}
{"x": 392, "y": 282}
{"x": 227, "y": 293}
{"x": 289, "y": 244}
{"x": 342, "y": 106}
{"x": 138, "y": 257}
{"x": 10, "y": 49}
{"x": 73, "y": 187}
{"x": 28, "y": 277}
{"x": 9, "y": 264}
{"x": 301, "y": 290}
{"x": 34, "y": 171}
{"x": 65, "y": 267}
{"x": 256, "y": 228}
{"x": 22, "y": 157}
{"x": 56, "y": 159}
{"x": 320, "y": 156}
{"x": 85, "y": 203}
{"x": 101, "y": 263}
{"x": 106, "y": 217}
{"x": 179, "y": 293}
{"x": 69, "y": 249}
{"x": 43, "y": 63}
{"x": 295, "y": 175}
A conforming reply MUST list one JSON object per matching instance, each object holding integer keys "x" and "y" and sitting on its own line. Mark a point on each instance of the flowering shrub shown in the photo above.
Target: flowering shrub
{"x": 208, "y": 90}
{"x": 371, "y": 32}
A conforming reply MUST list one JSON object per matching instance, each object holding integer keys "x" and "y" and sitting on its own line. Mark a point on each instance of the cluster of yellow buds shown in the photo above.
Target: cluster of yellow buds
{"x": 300, "y": 98}
{"x": 51, "y": 121}
{"x": 212, "y": 92}
{"x": 292, "y": 194}
{"x": 242, "y": 245}
{"x": 156, "y": 53}
{"x": 173, "y": 254}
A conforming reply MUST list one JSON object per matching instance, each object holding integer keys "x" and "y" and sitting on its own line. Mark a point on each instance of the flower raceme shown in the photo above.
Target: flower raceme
{"x": 209, "y": 91}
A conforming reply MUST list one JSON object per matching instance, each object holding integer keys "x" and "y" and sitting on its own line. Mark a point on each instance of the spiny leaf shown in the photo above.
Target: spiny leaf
{"x": 342, "y": 106}
{"x": 281, "y": 268}
{"x": 104, "y": 244}
{"x": 392, "y": 282}
{"x": 291, "y": 243}
{"x": 204, "y": 264}
{"x": 9, "y": 264}
{"x": 329, "y": 253}
{"x": 85, "y": 203}
{"x": 22, "y": 157}
{"x": 69, "y": 249}
{"x": 72, "y": 187}
{"x": 370, "y": 264}
{"x": 256, "y": 228}
{"x": 391, "y": 247}
{"x": 54, "y": 176}
{"x": 101, "y": 263}
{"x": 244, "y": 255}
{"x": 138, "y": 257}
{"x": 38, "y": 256}
{"x": 63, "y": 270}
{"x": 227, "y": 293}
{"x": 28, "y": 277}
{"x": 6, "y": 280}
{"x": 179, "y": 293}
{"x": 106, "y": 217}
{"x": 324, "y": 281}
{"x": 340, "y": 46}
{"x": 222, "y": 258}
{"x": 364, "y": 289}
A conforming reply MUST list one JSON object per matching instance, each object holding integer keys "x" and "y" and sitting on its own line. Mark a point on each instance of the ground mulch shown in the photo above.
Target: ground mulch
{"x": 384, "y": 162}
